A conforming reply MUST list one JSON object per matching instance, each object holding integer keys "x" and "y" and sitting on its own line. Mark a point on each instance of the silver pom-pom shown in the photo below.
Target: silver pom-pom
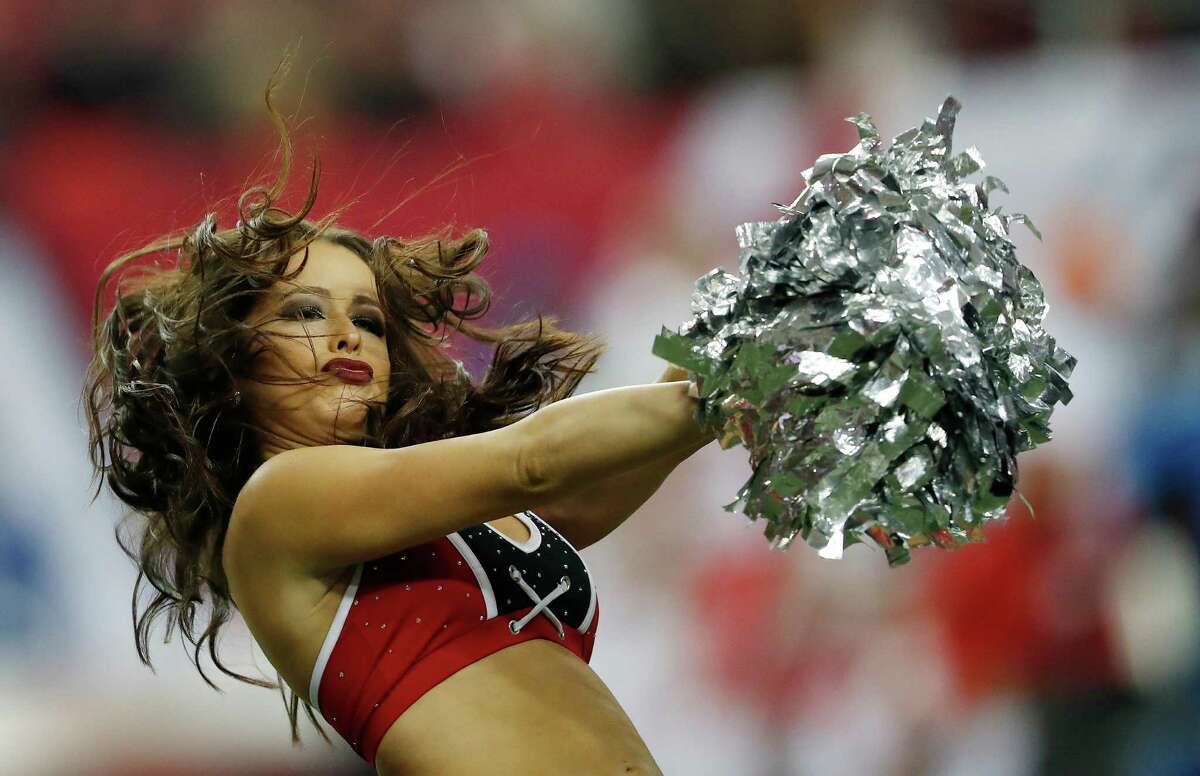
{"x": 881, "y": 352}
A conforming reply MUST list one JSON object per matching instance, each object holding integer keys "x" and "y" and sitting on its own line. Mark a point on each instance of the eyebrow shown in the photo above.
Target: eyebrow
{"x": 321, "y": 291}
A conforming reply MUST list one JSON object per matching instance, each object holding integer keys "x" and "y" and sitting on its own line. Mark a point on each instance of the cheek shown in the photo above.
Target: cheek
{"x": 289, "y": 353}
{"x": 381, "y": 361}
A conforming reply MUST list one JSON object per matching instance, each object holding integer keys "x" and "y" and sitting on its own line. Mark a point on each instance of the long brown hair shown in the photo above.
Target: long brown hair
{"x": 166, "y": 437}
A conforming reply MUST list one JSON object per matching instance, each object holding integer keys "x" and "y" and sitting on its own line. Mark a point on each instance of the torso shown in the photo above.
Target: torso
{"x": 533, "y": 707}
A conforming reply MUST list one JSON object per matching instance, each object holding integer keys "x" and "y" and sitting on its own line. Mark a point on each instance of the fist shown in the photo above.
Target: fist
{"x": 673, "y": 374}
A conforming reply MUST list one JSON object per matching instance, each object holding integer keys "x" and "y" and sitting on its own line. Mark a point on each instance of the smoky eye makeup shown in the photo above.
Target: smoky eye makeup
{"x": 308, "y": 309}
{"x": 373, "y": 322}
{"x": 299, "y": 308}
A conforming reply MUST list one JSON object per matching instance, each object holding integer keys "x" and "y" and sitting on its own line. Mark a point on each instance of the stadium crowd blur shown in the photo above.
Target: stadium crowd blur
{"x": 610, "y": 149}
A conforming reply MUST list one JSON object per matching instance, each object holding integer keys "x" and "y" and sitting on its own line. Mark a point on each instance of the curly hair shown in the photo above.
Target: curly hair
{"x": 165, "y": 436}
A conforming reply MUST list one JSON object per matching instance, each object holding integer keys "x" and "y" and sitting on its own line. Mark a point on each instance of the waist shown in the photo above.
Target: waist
{"x": 532, "y": 707}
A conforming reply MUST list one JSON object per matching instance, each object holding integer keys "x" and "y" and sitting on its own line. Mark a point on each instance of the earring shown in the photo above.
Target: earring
{"x": 236, "y": 398}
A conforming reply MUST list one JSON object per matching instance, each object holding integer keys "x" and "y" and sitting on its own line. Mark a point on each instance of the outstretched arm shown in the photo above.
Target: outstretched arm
{"x": 595, "y": 510}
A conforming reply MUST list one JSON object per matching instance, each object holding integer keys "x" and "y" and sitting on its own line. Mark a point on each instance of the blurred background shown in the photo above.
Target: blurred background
{"x": 610, "y": 149}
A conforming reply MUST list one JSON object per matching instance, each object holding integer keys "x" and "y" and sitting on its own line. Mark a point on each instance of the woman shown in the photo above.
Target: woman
{"x": 279, "y": 412}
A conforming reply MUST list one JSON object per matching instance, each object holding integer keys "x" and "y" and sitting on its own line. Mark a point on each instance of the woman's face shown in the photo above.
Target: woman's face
{"x": 329, "y": 311}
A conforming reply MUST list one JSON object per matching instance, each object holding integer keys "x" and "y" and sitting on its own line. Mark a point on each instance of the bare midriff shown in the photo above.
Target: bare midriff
{"x": 533, "y": 708}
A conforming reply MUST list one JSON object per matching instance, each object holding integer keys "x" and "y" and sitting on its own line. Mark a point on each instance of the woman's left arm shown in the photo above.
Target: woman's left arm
{"x": 592, "y": 512}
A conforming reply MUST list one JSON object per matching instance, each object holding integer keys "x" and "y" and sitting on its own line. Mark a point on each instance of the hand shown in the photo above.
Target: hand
{"x": 673, "y": 374}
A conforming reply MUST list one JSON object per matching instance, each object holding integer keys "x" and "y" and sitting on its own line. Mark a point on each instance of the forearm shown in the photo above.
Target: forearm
{"x": 621, "y": 494}
{"x": 599, "y": 435}
{"x": 596, "y": 508}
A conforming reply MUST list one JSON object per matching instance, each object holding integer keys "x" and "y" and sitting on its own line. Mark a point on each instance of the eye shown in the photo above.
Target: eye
{"x": 371, "y": 324}
{"x": 307, "y": 311}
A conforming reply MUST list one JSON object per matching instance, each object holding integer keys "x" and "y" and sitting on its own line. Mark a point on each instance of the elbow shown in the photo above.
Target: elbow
{"x": 533, "y": 472}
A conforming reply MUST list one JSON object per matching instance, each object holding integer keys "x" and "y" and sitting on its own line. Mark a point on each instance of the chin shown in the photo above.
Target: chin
{"x": 348, "y": 412}
{"x": 348, "y": 431}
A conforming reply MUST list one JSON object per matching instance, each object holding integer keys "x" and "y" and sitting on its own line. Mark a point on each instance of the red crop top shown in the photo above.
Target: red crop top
{"x": 409, "y": 620}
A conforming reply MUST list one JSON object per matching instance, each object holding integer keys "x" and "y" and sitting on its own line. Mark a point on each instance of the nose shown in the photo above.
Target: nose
{"x": 349, "y": 339}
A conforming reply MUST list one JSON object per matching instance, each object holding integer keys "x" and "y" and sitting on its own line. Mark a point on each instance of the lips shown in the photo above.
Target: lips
{"x": 350, "y": 370}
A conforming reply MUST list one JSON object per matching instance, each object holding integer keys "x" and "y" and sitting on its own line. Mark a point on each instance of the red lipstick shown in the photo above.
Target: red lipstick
{"x": 350, "y": 370}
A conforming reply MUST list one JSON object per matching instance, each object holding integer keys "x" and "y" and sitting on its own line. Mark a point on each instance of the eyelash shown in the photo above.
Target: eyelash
{"x": 373, "y": 325}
